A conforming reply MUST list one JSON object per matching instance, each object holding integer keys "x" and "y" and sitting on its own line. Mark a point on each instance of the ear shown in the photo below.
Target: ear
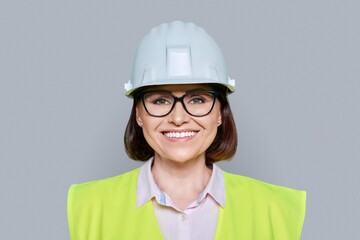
{"x": 138, "y": 118}
{"x": 219, "y": 119}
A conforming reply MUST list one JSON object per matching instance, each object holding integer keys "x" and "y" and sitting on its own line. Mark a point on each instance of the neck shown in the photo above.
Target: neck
{"x": 182, "y": 181}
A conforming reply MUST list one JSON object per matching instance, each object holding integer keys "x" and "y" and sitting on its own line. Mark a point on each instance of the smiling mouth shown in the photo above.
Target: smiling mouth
{"x": 179, "y": 134}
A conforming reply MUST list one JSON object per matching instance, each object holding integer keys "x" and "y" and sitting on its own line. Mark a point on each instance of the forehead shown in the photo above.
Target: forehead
{"x": 181, "y": 88}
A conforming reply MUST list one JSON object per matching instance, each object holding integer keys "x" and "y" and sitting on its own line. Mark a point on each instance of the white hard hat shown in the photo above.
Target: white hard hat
{"x": 178, "y": 53}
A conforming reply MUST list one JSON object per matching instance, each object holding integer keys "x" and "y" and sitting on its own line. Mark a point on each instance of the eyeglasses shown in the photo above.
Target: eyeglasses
{"x": 196, "y": 103}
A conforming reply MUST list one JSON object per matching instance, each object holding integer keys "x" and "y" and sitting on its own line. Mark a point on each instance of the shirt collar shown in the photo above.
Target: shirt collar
{"x": 147, "y": 188}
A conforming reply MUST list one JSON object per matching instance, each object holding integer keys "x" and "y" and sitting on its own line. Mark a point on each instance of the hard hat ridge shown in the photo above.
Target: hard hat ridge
{"x": 178, "y": 53}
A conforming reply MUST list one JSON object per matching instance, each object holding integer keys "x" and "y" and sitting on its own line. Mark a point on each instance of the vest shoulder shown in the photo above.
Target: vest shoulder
{"x": 106, "y": 209}
{"x": 105, "y": 186}
{"x": 258, "y": 187}
{"x": 267, "y": 211}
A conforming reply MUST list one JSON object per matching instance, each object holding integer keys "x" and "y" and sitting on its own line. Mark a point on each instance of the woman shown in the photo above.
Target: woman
{"x": 181, "y": 124}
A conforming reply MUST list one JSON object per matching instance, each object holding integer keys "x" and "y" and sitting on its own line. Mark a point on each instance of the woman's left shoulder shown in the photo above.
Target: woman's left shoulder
{"x": 276, "y": 212}
{"x": 255, "y": 187}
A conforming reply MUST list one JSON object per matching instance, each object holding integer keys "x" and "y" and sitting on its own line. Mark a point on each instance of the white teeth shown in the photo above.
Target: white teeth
{"x": 179, "y": 134}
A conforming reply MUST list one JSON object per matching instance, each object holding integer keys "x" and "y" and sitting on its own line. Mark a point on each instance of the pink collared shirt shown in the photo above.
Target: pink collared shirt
{"x": 197, "y": 221}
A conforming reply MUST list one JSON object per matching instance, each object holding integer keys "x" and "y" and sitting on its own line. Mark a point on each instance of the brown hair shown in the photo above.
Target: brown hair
{"x": 223, "y": 147}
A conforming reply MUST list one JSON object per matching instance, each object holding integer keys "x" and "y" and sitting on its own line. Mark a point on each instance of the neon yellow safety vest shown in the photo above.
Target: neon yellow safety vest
{"x": 254, "y": 210}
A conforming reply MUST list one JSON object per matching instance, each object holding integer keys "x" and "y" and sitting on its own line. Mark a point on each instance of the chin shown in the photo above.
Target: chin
{"x": 182, "y": 157}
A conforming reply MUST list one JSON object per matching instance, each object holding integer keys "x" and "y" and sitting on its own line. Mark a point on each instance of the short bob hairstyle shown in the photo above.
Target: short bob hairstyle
{"x": 222, "y": 148}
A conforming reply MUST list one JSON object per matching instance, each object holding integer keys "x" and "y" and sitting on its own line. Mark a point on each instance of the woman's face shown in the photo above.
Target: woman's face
{"x": 179, "y": 136}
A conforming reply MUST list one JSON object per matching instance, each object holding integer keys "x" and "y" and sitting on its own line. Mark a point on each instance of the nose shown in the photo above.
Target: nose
{"x": 178, "y": 115}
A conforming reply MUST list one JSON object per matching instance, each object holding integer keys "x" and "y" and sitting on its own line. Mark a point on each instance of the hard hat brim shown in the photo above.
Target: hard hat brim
{"x": 229, "y": 87}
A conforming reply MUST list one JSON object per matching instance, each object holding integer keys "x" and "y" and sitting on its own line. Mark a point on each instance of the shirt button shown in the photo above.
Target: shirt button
{"x": 182, "y": 217}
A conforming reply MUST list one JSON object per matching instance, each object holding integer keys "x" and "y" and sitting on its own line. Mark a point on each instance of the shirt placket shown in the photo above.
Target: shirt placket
{"x": 184, "y": 227}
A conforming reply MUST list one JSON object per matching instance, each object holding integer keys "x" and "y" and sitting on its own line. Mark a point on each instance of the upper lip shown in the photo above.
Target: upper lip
{"x": 179, "y": 130}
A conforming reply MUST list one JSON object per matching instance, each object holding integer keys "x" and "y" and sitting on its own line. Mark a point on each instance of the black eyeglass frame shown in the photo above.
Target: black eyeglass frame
{"x": 180, "y": 99}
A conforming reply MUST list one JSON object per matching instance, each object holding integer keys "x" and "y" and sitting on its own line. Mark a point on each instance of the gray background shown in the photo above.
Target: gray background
{"x": 63, "y": 113}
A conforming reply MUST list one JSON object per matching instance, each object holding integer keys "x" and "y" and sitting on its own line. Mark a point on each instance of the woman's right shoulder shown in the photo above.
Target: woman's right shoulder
{"x": 104, "y": 186}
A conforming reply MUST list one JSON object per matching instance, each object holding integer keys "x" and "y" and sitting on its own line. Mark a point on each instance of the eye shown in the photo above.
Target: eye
{"x": 197, "y": 100}
{"x": 156, "y": 98}
{"x": 160, "y": 101}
